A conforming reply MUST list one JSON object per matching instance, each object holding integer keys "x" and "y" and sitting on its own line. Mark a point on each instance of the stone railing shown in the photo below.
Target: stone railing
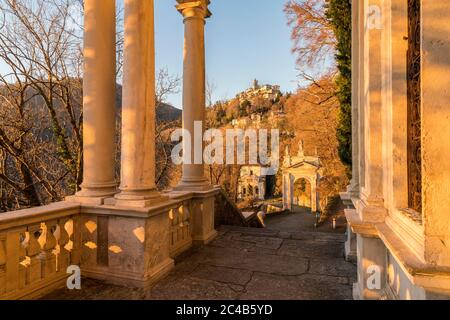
{"x": 36, "y": 247}
{"x": 126, "y": 246}
{"x": 180, "y": 228}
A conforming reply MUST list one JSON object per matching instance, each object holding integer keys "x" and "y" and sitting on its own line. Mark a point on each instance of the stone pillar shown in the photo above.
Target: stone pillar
{"x": 262, "y": 190}
{"x": 285, "y": 191}
{"x": 194, "y": 87}
{"x": 314, "y": 197}
{"x": 99, "y": 106}
{"x": 354, "y": 186}
{"x": 202, "y": 208}
{"x": 138, "y": 187}
{"x": 350, "y": 245}
{"x": 291, "y": 191}
{"x": 371, "y": 207}
{"x": 371, "y": 268}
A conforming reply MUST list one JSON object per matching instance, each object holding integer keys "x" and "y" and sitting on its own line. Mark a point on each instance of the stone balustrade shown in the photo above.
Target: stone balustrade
{"x": 180, "y": 229}
{"x": 128, "y": 246}
{"x": 36, "y": 247}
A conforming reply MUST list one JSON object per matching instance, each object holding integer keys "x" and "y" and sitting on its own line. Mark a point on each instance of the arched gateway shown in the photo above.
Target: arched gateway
{"x": 299, "y": 168}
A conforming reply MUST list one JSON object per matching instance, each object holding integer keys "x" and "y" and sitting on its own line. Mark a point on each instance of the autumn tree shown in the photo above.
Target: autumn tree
{"x": 321, "y": 32}
{"x": 313, "y": 116}
{"x": 41, "y": 116}
{"x": 40, "y": 98}
{"x": 312, "y": 34}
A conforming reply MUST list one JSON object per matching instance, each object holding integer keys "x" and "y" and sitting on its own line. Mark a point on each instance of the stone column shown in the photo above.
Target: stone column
{"x": 194, "y": 87}
{"x": 371, "y": 207}
{"x": 99, "y": 107}
{"x": 262, "y": 190}
{"x": 138, "y": 187}
{"x": 354, "y": 186}
{"x": 291, "y": 191}
{"x": 350, "y": 245}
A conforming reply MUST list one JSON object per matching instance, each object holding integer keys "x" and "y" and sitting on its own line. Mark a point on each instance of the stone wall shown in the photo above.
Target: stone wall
{"x": 227, "y": 213}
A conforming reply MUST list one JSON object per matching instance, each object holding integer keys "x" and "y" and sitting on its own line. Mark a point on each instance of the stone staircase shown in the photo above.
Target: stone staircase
{"x": 227, "y": 213}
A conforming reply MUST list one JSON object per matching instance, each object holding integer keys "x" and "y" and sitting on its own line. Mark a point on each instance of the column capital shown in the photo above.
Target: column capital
{"x": 194, "y": 9}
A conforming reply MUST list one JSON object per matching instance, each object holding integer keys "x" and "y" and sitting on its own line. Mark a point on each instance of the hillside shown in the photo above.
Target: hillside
{"x": 310, "y": 115}
{"x": 164, "y": 113}
{"x": 168, "y": 113}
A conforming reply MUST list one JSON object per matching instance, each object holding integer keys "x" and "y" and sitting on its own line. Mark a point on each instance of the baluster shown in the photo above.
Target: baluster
{"x": 62, "y": 237}
{"x": 47, "y": 256}
{"x": 187, "y": 216}
{"x": 172, "y": 226}
{"x": 33, "y": 250}
{"x": 24, "y": 262}
{"x": 180, "y": 223}
{"x": 177, "y": 224}
{"x": 75, "y": 253}
{"x": 2, "y": 264}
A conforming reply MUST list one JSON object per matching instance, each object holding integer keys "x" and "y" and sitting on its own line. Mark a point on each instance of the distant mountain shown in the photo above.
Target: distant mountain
{"x": 168, "y": 113}
{"x": 164, "y": 113}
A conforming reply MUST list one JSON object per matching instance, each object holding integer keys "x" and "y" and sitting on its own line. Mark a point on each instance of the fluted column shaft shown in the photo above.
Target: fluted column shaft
{"x": 99, "y": 107}
{"x": 194, "y": 87}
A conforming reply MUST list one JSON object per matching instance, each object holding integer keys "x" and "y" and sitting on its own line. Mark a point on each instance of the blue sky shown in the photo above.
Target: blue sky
{"x": 245, "y": 39}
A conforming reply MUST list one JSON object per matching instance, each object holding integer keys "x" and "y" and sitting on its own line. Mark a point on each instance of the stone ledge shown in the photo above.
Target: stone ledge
{"x": 38, "y": 289}
{"x": 420, "y": 274}
{"x": 408, "y": 231}
{"x": 30, "y": 216}
{"x": 346, "y": 199}
{"x": 358, "y": 226}
{"x": 191, "y": 194}
{"x": 133, "y": 212}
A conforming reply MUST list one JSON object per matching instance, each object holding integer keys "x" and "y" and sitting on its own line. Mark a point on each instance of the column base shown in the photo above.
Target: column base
{"x": 94, "y": 195}
{"x": 205, "y": 239}
{"x": 350, "y": 246}
{"x": 370, "y": 209}
{"x": 131, "y": 279}
{"x": 193, "y": 185}
{"x": 136, "y": 199}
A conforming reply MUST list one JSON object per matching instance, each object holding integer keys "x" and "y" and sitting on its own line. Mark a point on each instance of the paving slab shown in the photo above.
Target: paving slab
{"x": 223, "y": 274}
{"x": 311, "y": 249}
{"x": 332, "y": 267}
{"x": 288, "y": 260}
{"x": 254, "y": 261}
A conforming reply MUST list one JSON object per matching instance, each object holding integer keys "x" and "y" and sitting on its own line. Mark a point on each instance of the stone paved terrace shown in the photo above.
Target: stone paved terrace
{"x": 288, "y": 260}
